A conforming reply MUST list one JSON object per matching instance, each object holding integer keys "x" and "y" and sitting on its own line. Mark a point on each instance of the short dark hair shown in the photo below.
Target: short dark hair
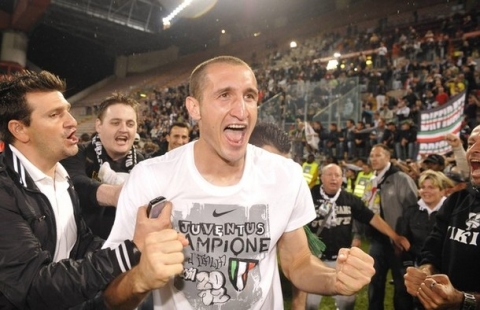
{"x": 198, "y": 76}
{"x": 178, "y": 124}
{"x": 384, "y": 148}
{"x": 13, "y": 102}
{"x": 116, "y": 98}
{"x": 270, "y": 134}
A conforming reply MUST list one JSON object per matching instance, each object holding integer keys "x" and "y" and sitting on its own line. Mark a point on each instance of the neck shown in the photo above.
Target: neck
{"x": 330, "y": 192}
{"x": 216, "y": 170}
{"x": 115, "y": 156}
{"x": 40, "y": 161}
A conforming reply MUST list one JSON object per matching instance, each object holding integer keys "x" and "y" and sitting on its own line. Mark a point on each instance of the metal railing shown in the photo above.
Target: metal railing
{"x": 327, "y": 101}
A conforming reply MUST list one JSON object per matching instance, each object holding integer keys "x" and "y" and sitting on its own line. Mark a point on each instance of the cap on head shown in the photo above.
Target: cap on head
{"x": 434, "y": 159}
{"x": 455, "y": 177}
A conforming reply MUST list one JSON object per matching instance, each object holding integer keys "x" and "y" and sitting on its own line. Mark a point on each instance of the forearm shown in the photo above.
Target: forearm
{"x": 107, "y": 195}
{"x": 461, "y": 160}
{"x": 379, "y": 224}
{"x": 87, "y": 190}
{"x": 68, "y": 282}
{"x": 123, "y": 293}
{"x": 310, "y": 275}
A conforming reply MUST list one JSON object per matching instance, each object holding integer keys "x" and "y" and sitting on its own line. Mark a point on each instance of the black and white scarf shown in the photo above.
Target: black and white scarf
{"x": 130, "y": 160}
{"x": 331, "y": 219}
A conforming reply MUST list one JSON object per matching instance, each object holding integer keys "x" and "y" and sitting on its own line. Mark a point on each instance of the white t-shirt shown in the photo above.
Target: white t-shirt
{"x": 231, "y": 261}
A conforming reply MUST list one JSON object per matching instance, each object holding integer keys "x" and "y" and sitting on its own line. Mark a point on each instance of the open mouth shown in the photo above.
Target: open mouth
{"x": 72, "y": 137}
{"x": 475, "y": 167}
{"x": 475, "y": 164}
{"x": 121, "y": 139}
{"x": 235, "y": 133}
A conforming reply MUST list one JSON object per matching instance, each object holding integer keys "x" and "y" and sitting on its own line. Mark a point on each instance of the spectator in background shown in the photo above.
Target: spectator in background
{"x": 386, "y": 113}
{"x": 100, "y": 167}
{"x": 310, "y": 170}
{"x": 149, "y": 148}
{"x": 442, "y": 97}
{"x": 178, "y": 135}
{"x": 381, "y": 60}
{"x": 402, "y": 111}
{"x": 367, "y": 113}
{"x": 85, "y": 138}
{"x": 417, "y": 220}
{"x": 349, "y": 138}
{"x": 331, "y": 143}
{"x": 297, "y": 136}
{"x": 381, "y": 94}
{"x": 471, "y": 108}
{"x": 458, "y": 182}
{"x": 383, "y": 197}
{"x": 406, "y": 144}
{"x": 434, "y": 162}
{"x": 363, "y": 176}
{"x": 271, "y": 138}
{"x": 361, "y": 140}
{"x": 350, "y": 171}
{"x": 336, "y": 211}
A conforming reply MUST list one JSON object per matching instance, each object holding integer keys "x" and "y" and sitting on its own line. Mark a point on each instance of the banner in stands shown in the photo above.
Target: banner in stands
{"x": 436, "y": 123}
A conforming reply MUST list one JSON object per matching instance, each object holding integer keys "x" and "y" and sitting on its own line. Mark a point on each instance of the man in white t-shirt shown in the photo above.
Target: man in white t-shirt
{"x": 236, "y": 204}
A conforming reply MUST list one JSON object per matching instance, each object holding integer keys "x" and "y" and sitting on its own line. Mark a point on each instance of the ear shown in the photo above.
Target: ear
{"x": 193, "y": 107}
{"x": 18, "y": 130}
{"x": 98, "y": 123}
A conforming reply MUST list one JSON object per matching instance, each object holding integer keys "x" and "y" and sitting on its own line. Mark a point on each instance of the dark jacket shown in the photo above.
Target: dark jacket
{"x": 83, "y": 168}
{"x": 416, "y": 225}
{"x": 28, "y": 277}
{"x": 453, "y": 246}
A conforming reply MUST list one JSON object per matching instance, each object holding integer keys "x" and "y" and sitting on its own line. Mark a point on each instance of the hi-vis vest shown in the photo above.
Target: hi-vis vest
{"x": 361, "y": 182}
{"x": 310, "y": 173}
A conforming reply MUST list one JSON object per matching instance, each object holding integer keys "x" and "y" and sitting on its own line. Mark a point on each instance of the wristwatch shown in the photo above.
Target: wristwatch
{"x": 469, "y": 302}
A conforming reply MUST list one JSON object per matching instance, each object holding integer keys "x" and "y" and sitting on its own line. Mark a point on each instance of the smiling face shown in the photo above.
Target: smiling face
{"x": 473, "y": 156}
{"x": 226, "y": 112}
{"x": 431, "y": 193}
{"x": 50, "y": 137}
{"x": 117, "y": 129}
{"x": 178, "y": 136}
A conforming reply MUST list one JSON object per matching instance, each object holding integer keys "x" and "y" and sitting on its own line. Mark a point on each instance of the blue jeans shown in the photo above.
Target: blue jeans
{"x": 410, "y": 151}
{"x": 385, "y": 259}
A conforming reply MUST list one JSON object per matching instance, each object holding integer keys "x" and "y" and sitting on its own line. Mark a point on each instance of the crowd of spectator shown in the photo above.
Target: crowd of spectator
{"x": 401, "y": 70}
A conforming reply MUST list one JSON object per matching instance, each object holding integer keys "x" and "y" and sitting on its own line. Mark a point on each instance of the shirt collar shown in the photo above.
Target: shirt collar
{"x": 422, "y": 206}
{"x": 35, "y": 173}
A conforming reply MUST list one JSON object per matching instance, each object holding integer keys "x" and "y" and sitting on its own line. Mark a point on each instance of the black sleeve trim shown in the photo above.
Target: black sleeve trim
{"x": 125, "y": 256}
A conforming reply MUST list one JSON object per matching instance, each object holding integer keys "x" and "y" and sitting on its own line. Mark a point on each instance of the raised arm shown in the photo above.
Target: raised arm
{"x": 354, "y": 267}
{"x": 162, "y": 258}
